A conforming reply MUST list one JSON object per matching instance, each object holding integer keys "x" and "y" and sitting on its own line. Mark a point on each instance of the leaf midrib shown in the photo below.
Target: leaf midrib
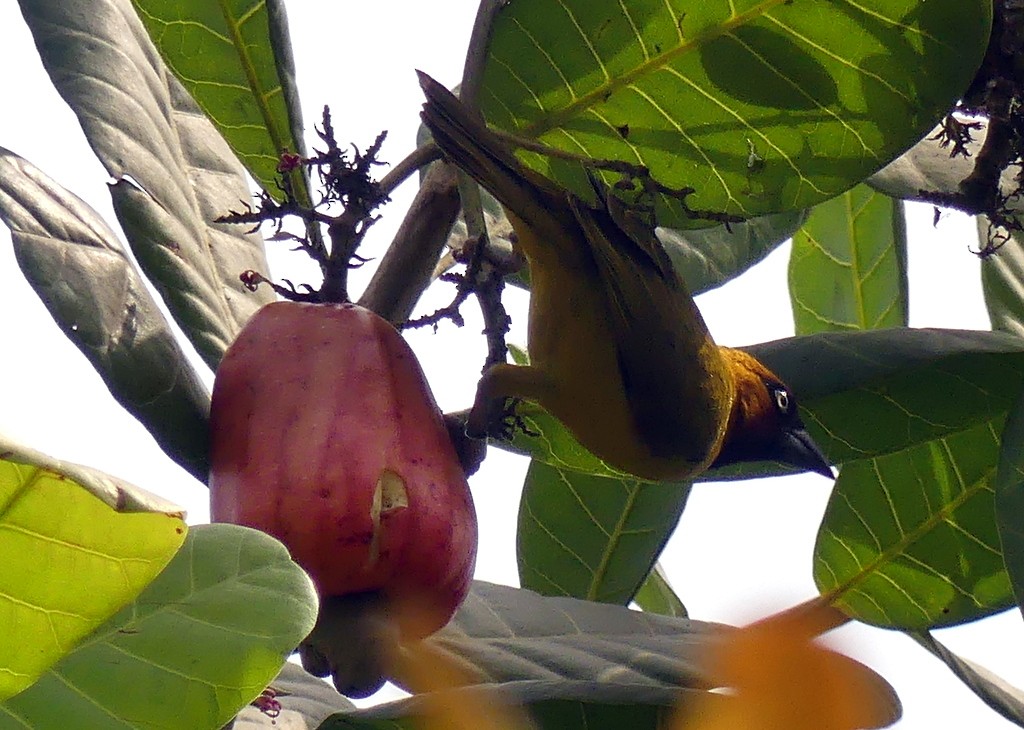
{"x": 234, "y": 26}
{"x": 613, "y": 540}
{"x": 894, "y": 551}
{"x": 557, "y": 119}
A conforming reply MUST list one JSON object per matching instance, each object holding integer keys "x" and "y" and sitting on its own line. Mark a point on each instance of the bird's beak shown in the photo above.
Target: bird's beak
{"x": 797, "y": 448}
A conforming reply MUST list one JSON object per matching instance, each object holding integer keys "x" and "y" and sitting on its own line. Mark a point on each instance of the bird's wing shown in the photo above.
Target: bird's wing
{"x": 671, "y": 372}
{"x": 472, "y": 147}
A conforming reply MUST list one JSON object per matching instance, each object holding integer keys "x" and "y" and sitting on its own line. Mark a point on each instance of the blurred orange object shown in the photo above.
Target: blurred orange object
{"x": 775, "y": 676}
{"x": 450, "y": 701}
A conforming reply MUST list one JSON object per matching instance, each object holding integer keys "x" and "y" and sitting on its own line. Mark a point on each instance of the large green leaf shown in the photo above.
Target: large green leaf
{"x": 990, "y": 688}
{"x": 915, "y": 416}
{"x": 863, "y": 394}
{"x": 174, "y": 173}
{"x": 199, "y": 643}
{"x": 573, "y": 664}
{"x": 94, "y": 293}
{"x": 909, "y": 540}
{"x": 592, "y": 537}
{"x": 503, "y": 634}
{"x": 235, "y": 60}
{"x": 1002, "y": 280}
{"x": 595, "y": 705}
{"x": 760, "y": 106}
{"x": 848, "y": 266}
{"x": 1010, "y": 498}
{"x": 874, "y": 393}
{"x": 656, "y": 595}
{"x": 607, "y": 706}
{"x": 709, "y": 257}
{"x": 75, "y": 546}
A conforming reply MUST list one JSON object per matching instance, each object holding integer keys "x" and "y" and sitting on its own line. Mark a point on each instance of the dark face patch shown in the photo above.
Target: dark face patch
{"x": 765, "y": 421}
{"x": 765, "y": 412}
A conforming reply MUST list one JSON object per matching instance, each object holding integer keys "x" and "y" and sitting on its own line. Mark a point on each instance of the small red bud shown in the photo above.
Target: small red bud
{"x": 288, "y": 161}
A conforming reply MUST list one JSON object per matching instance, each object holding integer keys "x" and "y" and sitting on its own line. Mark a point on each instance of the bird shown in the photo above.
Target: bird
{"x": 619, "y": 352}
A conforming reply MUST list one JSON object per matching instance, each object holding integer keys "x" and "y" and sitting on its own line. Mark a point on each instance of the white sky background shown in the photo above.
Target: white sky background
{"x": 742, "y": 549}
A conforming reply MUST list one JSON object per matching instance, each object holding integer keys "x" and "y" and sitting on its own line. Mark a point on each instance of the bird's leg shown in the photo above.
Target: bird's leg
{"x": 502, "y": 381}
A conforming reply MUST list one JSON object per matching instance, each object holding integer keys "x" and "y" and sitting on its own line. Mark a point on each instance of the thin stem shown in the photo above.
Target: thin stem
{"x": 418, "y": 158}
{"x": 476, "y": 54}
{"x": 818, "y": 613}
{"x": 405, "y": 270}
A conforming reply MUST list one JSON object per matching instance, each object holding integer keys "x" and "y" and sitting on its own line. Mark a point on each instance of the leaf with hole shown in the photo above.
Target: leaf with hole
{"x": 94, "y": 293}
{"x": 179, "y": 176}
{"x": 759, "y": 106}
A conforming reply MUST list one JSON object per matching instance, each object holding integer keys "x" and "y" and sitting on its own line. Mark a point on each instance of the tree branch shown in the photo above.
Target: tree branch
{"x": 405, "y": 269}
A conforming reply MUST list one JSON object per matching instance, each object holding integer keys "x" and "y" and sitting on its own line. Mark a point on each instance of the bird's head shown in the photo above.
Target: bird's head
{"x": 765, "y": 423}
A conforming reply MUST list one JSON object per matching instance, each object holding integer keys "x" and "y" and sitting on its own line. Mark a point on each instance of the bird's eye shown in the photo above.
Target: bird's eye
{"x": 782, "y": 400}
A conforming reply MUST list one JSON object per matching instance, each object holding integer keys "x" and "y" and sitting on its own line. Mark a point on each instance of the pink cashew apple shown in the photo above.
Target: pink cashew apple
{"x": 325, "y": 435}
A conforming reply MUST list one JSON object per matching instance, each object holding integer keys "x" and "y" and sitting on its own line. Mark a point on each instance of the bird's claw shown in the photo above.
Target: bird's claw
{"x": 501, "y": 421}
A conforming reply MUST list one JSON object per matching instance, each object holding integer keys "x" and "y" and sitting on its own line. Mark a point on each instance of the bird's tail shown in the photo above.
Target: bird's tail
{"x": 467, "y": 142}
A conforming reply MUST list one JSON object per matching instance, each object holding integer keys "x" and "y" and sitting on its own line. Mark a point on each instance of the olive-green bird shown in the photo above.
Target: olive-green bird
{"x": 619, "y": 352}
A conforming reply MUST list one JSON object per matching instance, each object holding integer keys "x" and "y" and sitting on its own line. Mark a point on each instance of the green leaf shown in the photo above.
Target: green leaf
{"x": 912, "y": 415}
{"x": 299, "y": 692}
{"x": 873, "y": 393}
{"x": 848, "y": 266}
{"x": 863, "y": 394}
{"x": 709, "y": 257}
{"x": 657, "y": 596}
{"x": 1009, "y": 498}
{"x": 572, "y": 663}
{"x": 761, "y": 106}
{"x": 592, "y": 537}
{"x": 199, "y": 643}
{"x": 235, "y": 60}
{"x": 1002, "y": 280}
{"x": 990, "y": 688}
{"x": 174, "y": 173}
{"x": 909, "y": 540}
{"x": 91, "y": 288}
{"x": 503, "y": 634}
{"x": 75, "y": 546}
{"x": 604, "y": 706}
